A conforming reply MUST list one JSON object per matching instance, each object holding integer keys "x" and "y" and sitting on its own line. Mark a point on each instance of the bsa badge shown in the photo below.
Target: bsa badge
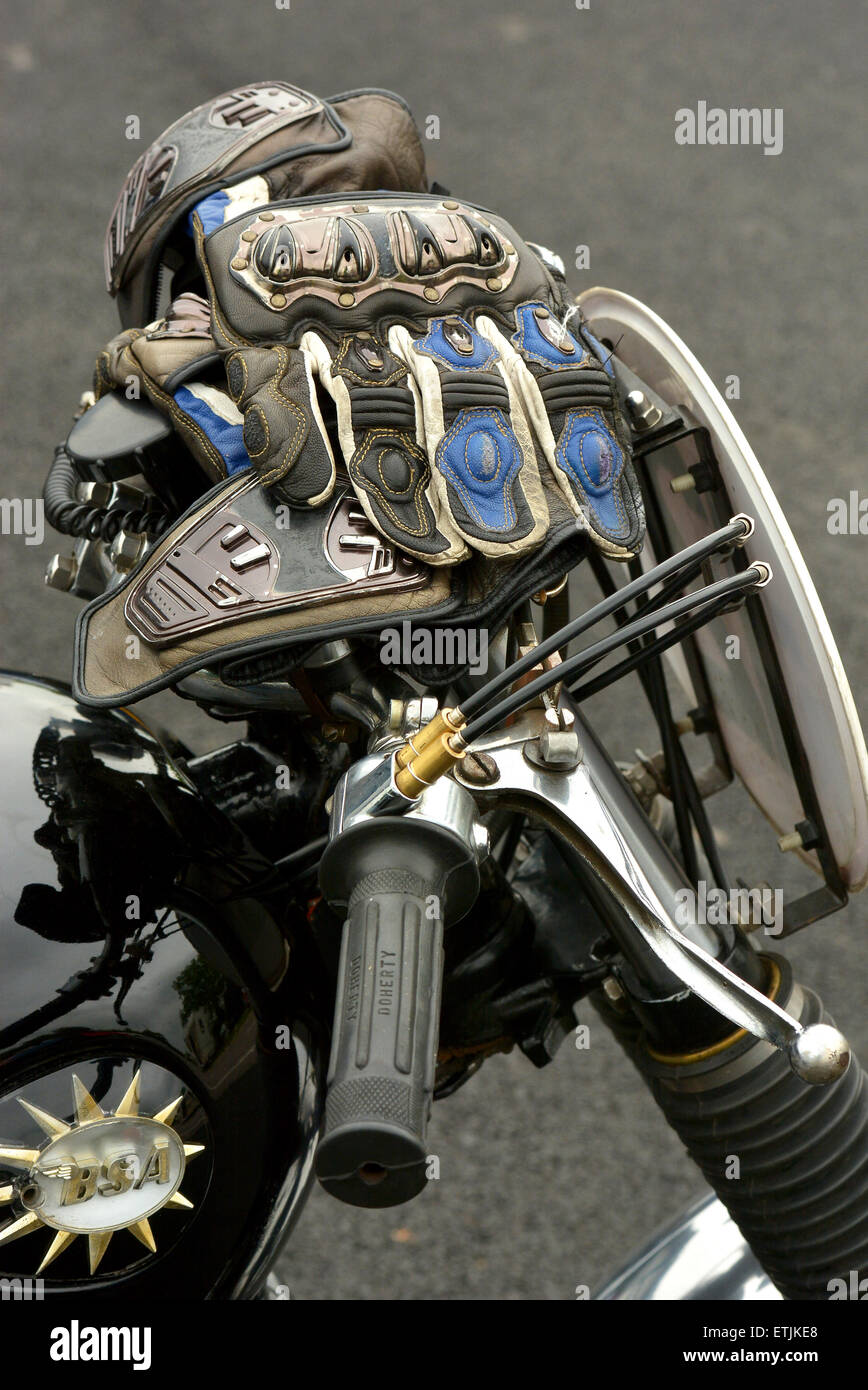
{"x": 104, "y": 1173}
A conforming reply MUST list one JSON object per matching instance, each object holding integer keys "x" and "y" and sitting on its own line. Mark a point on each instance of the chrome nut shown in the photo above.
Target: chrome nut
{"x": 126, "y": 550}
{"x": 94, "y": 493}
{"x": 643, "y": 413}
{"x": 61, "y": 572}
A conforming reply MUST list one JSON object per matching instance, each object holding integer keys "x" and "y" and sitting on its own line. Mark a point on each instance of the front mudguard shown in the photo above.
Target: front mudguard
{"x": 702, "y": 1256}
{"x": 140, "y": 931}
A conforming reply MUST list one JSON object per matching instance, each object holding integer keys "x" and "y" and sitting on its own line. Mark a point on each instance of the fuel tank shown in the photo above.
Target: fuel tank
{"x": 161, "y": 1059}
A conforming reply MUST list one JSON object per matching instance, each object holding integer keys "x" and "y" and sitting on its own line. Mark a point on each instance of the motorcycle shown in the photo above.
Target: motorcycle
{"x": 232, "y": 974}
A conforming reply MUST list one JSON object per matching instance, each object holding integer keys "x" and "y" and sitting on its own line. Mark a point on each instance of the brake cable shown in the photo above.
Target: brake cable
{"x": 440, "y": 743}
{"x": 575, "y": 665}
{"x": 736, "y": 532}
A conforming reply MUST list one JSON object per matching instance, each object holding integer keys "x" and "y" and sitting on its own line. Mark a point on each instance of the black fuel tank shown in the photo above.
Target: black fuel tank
{"x": 140, "y": 932}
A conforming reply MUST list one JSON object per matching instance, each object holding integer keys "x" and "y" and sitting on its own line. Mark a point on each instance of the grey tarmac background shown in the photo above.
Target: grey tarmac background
{"x": 563, "y": 120}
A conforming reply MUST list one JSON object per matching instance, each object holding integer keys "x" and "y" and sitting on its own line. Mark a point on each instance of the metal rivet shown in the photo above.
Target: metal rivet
{"x": 266, "y": 217}
{"x": 239, "y": 263}
{"x": 430, "y": 292}
{"x": 361, "y": 207}
{"x": 541, "y": 313}
{"x": 346, "y": 300}
{"x": 249, "y": 236}
{"x": 278, "y": 301}
{"x": 451, "y": 204}
{"x": 494, "y": 284}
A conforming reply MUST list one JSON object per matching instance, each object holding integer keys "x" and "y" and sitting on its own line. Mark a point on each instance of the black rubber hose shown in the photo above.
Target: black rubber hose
{"x": 788, "y": 1160}
{"x": 71, "y": 517}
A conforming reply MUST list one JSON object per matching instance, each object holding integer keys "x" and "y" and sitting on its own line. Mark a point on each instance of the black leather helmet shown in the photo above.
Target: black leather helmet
{"x": 363, "y": 139}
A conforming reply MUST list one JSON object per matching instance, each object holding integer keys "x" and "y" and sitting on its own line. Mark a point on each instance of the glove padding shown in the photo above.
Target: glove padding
{"x": 453, "y": 428}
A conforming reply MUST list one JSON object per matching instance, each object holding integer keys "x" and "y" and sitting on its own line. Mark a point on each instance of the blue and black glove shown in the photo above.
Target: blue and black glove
{"x": 437, "y": 350}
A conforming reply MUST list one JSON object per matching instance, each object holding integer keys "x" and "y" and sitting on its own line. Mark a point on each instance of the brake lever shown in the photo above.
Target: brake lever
{"x": 589, "y": 803}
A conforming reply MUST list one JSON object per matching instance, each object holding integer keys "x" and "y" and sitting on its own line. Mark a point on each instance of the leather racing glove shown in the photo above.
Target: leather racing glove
{"x": 464, "y": 388}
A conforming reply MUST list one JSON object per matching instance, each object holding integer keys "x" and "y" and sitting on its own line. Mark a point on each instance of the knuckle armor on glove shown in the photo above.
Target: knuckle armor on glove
{"x": 464, "y": 401}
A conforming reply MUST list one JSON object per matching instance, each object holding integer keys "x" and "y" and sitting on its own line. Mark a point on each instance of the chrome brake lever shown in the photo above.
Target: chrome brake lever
{"x": 818, "y": 1053}
{"x": 591, "y": 805}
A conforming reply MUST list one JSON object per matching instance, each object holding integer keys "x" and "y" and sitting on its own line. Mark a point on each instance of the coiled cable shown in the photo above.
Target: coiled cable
{"x": 67, "y": 514}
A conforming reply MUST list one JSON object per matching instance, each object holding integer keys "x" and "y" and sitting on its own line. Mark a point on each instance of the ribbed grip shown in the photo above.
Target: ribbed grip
{"x": 381, "y": 1072}
{"x": 799, "y": 1190}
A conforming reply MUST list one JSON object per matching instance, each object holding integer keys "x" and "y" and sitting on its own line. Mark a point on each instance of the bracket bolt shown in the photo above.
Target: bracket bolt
{"x": 644, "y": 413}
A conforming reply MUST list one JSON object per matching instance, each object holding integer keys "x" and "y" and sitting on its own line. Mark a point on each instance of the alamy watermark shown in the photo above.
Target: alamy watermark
{"x": 747, "y": 907}
{"x": 853, "y": 1289}
{"x": 736, "y": 125}
{"x": 847, "y": 516}
{"x": 77, "y": 1343}
{"x": 23, "y": 516}
{"x": 440, "y": 646}
{"x": 22, "y": 1290}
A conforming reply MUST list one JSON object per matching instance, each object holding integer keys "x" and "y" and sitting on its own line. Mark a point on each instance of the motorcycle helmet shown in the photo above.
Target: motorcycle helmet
{"x": 297, "y": 143}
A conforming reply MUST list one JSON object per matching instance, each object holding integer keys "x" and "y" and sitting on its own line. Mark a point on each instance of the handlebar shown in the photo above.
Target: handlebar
{"x": 384, "y": 1046}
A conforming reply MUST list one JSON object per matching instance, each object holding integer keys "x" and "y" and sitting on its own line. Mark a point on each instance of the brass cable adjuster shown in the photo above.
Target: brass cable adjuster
{"x": 429, "y": 753}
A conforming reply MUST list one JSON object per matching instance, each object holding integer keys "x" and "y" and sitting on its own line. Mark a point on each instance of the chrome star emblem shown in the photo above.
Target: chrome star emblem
{"x": 107, "y": 1172}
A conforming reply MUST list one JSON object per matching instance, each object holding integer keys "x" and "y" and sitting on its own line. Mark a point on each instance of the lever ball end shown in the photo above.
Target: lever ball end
{"x": 819, "y": 1054}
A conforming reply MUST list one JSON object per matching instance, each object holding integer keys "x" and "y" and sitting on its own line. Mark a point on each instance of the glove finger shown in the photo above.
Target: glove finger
{"x": 113, "y": 367}
{"x": 569, "y": 398}
{"x": 165, "y": 357}
{"x": 484, "y": 461}
{"x": 284, "y": 432}
{"x": 387, "y": 463}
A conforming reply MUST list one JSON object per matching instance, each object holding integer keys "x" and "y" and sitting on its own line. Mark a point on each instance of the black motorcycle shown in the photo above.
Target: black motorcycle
{"x": 225, "y": 975}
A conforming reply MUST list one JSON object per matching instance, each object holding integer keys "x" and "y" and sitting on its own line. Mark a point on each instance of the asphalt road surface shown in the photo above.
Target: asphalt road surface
{"x": 562, "y": 119}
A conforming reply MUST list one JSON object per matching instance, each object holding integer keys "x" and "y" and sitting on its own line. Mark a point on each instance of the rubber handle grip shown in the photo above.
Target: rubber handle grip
{"x": 384, "y": 1047}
